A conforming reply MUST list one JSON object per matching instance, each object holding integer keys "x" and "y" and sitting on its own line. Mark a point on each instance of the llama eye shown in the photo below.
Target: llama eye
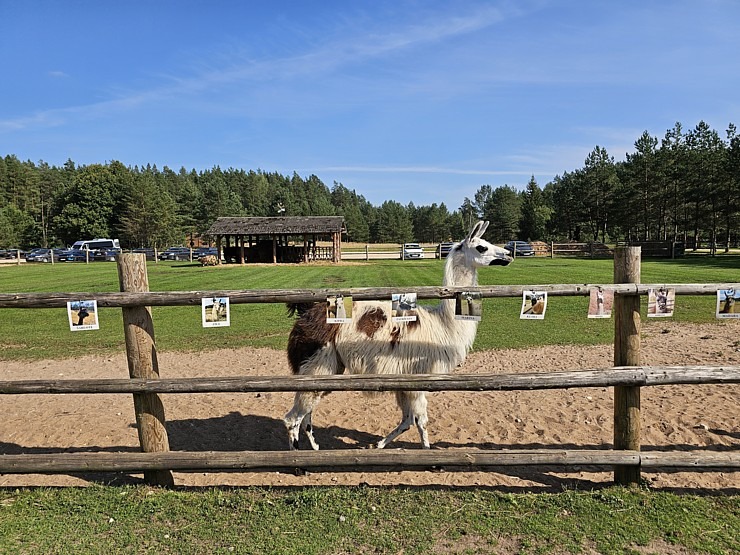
{"x": 481, "y": 248}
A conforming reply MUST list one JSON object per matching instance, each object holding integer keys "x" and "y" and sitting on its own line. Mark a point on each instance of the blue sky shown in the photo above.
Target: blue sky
{"x": 421, "y": 101}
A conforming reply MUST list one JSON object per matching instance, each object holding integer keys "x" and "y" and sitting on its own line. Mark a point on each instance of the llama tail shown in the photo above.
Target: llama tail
{"x": 298, "y": 309}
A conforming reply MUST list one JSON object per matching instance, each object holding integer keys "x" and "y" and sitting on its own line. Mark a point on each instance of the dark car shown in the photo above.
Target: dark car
{"x": 148, "y": 253}
{"x": 44, "y": 255}
{"x": 13, "y": 253}
{"x": 175, "y": 253}
{"x": 104, "y": 255}
{"x": 519, "y": 248}
{"x": 443, "y": 249}
{"x": 74, "y": 255}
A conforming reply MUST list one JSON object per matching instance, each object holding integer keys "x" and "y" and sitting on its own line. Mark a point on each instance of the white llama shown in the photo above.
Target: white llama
{"x": 436, "y": 343}
{"x": 341, "y": 310}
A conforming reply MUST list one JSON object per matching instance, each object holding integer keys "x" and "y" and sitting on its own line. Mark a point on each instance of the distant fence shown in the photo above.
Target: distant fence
{"x": 660, "y": 249}
{"x": 157, "y": 461}
{"x": 592, "y": 249}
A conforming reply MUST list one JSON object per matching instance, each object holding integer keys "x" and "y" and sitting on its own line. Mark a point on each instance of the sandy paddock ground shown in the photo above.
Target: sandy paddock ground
{"x": 674, "y": 417}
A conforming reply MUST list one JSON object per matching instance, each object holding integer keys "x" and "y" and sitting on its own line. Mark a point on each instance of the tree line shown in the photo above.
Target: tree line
{"x": 682, "y": 187}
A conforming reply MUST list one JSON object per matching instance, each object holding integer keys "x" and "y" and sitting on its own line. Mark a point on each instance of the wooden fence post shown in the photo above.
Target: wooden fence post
{"x": 141, "y": 353}
{"x": 627, "y": 353}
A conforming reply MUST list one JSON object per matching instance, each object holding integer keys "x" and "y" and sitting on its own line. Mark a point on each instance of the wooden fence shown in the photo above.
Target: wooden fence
{"x": 157, "y": 462}
{"x": 592, "y": 249}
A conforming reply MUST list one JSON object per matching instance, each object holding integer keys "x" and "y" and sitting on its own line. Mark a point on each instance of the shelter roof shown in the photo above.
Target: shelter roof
{"x": 277, "y": 226}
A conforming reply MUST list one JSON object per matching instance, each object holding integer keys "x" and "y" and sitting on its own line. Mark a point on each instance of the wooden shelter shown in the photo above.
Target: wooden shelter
{"x": 289, "y": 239}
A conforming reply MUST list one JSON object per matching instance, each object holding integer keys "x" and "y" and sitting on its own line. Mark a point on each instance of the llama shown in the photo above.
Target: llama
{"x": 436, "y": 343}
{"x": 341, "y": 311}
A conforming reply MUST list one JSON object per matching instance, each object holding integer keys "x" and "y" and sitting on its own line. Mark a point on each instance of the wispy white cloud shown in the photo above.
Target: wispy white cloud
{"x": 348, "y": 47}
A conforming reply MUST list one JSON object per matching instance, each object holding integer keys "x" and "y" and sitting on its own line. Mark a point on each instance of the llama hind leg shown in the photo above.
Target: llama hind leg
{"x": 419, "y": 412}
{"x": 413, "y": 406}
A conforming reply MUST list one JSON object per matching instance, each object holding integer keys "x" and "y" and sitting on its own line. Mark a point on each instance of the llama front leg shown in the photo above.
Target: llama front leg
{"x": 307, "y": 427}
{"x": 413, "y": 406}
{"x": 299, "y": 418}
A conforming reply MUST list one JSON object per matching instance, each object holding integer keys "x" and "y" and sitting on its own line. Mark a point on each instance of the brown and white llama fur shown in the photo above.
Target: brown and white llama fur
{"x": 436, "y": 343}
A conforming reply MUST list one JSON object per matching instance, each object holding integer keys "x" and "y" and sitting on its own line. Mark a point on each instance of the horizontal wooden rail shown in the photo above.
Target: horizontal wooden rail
{"x": 600, "y": 377}
{"x": 348, "y": 460}
{"x": 246, "y": 296}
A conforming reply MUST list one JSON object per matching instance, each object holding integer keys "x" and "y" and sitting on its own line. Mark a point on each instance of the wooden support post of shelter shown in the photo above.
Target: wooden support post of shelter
{"x": 627, "y": 353}
{"x": 141, "y": 353}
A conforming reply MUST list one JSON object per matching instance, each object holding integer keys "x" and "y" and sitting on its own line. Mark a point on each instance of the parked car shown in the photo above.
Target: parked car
{"x": 411, "y": 251}
{"x": 44, "y": 255}
{"x": 519, "y": 248}
{"x": 443, "y": 249}
{"x": 175, "y": 253}
{"x": 148, "y": 253}
{"x": 104, "y": 255}
{"x": 13, "y": 253}
{"x": 74, "y": 255}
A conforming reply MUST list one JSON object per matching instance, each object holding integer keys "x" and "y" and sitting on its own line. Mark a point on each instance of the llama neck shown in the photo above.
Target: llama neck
{"x": 458, "y": 275}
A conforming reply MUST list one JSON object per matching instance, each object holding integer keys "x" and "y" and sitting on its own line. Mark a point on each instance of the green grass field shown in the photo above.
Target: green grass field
{"x": 44, "y": 333}
{"x": 363, "y": 520}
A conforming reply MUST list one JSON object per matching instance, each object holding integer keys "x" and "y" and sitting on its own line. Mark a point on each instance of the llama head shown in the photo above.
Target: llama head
{"x": 474, "y": 251}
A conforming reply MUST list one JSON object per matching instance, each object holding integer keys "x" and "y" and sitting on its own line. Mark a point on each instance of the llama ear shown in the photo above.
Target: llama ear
{"x": 476, "y": 231}
{"x": 473, "y": 231}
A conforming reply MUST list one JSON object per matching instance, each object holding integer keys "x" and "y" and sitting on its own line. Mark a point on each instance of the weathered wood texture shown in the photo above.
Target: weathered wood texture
{"x": 627, "y": 353}
{"x": 599, "y": 377}
{"x": 141, "y": 353}
{"x": 247, "y": 296}
{"x": 353, "y": 460}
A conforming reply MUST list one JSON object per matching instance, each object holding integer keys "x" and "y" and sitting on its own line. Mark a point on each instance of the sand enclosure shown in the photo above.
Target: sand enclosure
{"x": 681, "y": 417}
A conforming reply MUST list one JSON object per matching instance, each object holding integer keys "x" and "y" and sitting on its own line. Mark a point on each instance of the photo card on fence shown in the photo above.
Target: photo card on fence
{"x": 215, "y": 312}
{"x": 468, "y": 306}
{"x": 534, "y": 305}
{"x": 728, "y": 303}
{"x": 403, "y": 307}
{"x": 338, "y": 309}
{"x": 600, "y": 302}
{"x": 661, "y": 302}
{"x": 83, "y": 315}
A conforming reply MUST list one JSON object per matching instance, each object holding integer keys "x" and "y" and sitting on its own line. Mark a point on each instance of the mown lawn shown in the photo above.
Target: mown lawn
{"x": 363, "y": 520}
{"x": 44, "y": 333}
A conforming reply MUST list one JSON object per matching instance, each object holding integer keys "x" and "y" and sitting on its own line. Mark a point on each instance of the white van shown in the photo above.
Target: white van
{"x": 97, "y": 244}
